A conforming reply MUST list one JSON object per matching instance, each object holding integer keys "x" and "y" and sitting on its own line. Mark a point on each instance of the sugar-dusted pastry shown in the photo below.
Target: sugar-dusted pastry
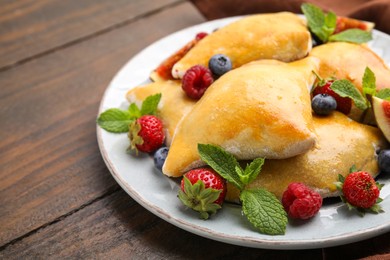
{"x": 173, "y": 104}
{"x": 261, "y": 109}
{"x": 341, "y": 143}
{"x": 282, "y": 36}
{"x": 348, "y": 61}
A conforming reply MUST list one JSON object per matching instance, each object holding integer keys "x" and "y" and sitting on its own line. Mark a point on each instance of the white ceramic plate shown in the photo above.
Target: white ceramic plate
{"x": 334, "y": 225}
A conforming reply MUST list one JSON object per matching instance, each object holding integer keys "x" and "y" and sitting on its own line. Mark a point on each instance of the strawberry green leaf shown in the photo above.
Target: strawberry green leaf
{"x": 353, "y": 169}
{"x": 222, "y": 162}
{"x": 351, "y": 35}
{"x": 345, "y": 88}
{"x": 264, "y": 211}
{"x": 384, "y": 94}
{"x": 115, "y": 120}
{"x": 199, "y": 198}
{"x": 369, "y": 82}
{"x": 150, "y": 104}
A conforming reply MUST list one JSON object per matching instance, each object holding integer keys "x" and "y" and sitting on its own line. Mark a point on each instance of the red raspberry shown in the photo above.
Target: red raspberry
{"x": 146, "y": 134}
{"x": 360, "y": 190}
{"x": 301, "y": 202}
{"x": 196, "y": 198}
{"x": 196, "y": 80}
{"x": 344, "y": 104}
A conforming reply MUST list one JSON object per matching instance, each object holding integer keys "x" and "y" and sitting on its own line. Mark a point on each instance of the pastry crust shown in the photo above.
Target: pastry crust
{"x": 261, "y": 109}
{"x": 341, "y": 143}
{"x": 281, "y": 36}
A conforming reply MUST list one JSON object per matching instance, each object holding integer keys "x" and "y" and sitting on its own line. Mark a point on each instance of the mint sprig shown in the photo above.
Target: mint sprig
{"x": 260, "y": 206}
{"x": 345, "y": 88}
{"x": 117, "y": 120}
{"x": 323, "y": 26}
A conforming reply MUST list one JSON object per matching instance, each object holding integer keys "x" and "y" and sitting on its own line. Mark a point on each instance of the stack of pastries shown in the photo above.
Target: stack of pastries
{"x": 262, "y": 107}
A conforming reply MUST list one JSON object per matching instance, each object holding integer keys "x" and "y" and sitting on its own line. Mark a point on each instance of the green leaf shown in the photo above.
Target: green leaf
{"x": 351, "y": 35}
{"x": 115, "y": 120}
{"x": 384, "y": 94}
{"x": 222, "y": 162}
{"x": 251, "y": 171}
{"x": 150, "y": 104}
{"x": 353, "y": 169}
{"x": 264, "y": 211}
{"x": 329, "y": 24}
{"x": 134, "y": 111}
{"x": 369, "y": 82}
{"x": 199, "y": 198}
{"x": 314, "y": 15}
{"x": 345, "y": 88}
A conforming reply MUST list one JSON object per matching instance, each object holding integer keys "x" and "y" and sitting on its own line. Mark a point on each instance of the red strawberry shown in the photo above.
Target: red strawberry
{"x": 196, "y": 80}
{"x": 344, "y": 104}
{"x": 146, "y": 134}
{"x": 360, "y": 191}
{"x": 301, "y": 202}
{"x": 203, "y": 190}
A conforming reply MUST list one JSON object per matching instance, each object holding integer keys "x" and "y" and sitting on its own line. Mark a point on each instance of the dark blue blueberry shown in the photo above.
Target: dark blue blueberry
{"x": 159, "y": 157}
{"x": 384, "y": 161}
{"x": 219, "y": 64}
{"x": 323, "y": 104}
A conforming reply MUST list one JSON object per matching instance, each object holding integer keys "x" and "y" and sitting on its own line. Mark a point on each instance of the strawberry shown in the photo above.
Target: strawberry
{"x": 203, "y": 190}
{"x": 360, "y": 191}
{"x": 301, "y": 202}
{"x": 146, "y": 134}
{"x": 344, "y": 104}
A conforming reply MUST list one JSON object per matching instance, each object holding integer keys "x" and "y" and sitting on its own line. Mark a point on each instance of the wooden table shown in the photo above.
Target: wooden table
{"x": 57, "y": 197}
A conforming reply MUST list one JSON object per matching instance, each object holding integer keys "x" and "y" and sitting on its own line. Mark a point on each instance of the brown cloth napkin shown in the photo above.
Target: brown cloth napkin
{"x": 377, "y": 11}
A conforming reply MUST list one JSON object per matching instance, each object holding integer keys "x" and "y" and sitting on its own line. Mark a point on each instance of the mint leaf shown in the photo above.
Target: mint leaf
{"x": 315, "y": 20}
{"x": 149, "y": 105}
{"x": 384, "y": 94}
{"x": 351, "y": 35}
{"x": 115, "y": 120}
{"x": 222, "y": 162}
{"x": 134, "y": 111}
{"x": 329, "y": 24}
{"x": 251, "y": 171}
{"x": 369, "y": 82}
{"x": 264, "y": 211}
{"x": 345, "y": 88}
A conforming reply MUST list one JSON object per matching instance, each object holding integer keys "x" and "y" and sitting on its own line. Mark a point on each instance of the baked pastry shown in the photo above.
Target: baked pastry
{"x": 282, "y": 36}
{"x": 173, "y": 104}
{"x": 348, "y": 61}
{"x": 341, "y": 143}
{"x": 261, "y": 109}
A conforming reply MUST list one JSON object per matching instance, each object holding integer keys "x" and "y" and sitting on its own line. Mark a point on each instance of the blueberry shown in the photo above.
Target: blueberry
{"x": 384, "y": 161}
{"x": 219, "y": 64}
{"x": 323, "y": 104}
{"x": 159, "y": 157}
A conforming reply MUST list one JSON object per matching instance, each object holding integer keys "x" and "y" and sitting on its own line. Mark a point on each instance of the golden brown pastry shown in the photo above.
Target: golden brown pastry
{"x": 348, "y": 61}
{"x": 261, "y": 109}
{"x": 341, "y": 143}
{"x": 282, "y": 36}
{"x": 173, "y": 104}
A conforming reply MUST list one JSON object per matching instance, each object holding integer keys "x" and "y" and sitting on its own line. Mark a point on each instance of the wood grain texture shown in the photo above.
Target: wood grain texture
{"x": 117, "y": 227}
{"x": 50, "y": 164}
{"x": 30, "y": 27}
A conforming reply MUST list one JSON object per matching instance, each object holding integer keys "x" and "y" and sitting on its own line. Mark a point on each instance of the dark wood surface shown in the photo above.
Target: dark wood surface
{"x": 57, "y": 197}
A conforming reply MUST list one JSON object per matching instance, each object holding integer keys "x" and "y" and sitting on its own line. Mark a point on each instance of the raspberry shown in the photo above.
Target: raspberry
{"x": 196, "y": 80}
{"x": 301, "y": 202}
